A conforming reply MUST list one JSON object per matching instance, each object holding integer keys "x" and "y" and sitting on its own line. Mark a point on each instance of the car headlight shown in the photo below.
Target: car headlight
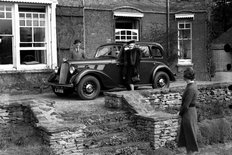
{"x": 71, "y": 69}
{"x": 56, "y": 70}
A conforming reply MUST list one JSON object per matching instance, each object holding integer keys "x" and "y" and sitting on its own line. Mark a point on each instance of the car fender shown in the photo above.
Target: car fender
{"x": 164, "y": 68}
{"x": 103, "y": 78}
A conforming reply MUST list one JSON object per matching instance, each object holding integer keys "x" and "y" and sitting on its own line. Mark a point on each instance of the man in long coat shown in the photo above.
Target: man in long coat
{"x": 131, "y": 64}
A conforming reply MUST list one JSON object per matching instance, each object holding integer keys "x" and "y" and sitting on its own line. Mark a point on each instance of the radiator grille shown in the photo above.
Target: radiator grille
{"x": 63, "y": 73}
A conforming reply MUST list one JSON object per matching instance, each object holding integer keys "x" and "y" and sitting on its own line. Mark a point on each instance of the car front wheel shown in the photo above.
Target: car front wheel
{"x": 88, "y": 88}
{"x": 161, "y": 80}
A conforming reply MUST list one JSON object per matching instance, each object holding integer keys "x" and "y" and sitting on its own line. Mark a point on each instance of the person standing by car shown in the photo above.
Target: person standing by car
{"x": 188, "y": 113}
{"x": 76, "y": 52}
{"x": 131, "y": 61}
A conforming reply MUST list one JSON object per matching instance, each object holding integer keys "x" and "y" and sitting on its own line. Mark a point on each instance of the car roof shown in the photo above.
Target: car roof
{"x": 137, "y": 42}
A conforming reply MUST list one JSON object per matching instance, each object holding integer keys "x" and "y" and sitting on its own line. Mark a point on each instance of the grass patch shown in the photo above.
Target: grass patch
{"x": 214, "y": 131}
{"x": 21, "y": 139}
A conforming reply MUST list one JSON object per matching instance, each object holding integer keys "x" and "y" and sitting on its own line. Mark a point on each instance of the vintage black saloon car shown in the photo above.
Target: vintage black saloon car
{"x": 103, "y": 72}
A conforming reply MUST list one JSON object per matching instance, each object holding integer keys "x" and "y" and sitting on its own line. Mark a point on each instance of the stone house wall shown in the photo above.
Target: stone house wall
{"x": 69, "y": 25}
{"x": 15, "y": 82}
{"x": 199, "y": 35}
{"x": 93, "y": 23}
{"x": 199, "y": 45}
{"x": 95, "y": 26}
{"x": 98, "y": 29}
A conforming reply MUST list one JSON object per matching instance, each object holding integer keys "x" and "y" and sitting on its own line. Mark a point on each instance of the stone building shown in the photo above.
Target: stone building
{"x": 27, "y": 42}
{"x": 179, "y": 25}
{"x": 36, "y": 35}
{"x": 221, "y": 50}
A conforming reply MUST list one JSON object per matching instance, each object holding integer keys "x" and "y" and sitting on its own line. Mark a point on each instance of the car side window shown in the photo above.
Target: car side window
{"x": 114, "y": 51}
{"x": 108, "y": 51}
{"x": 156, "y": 52}
{"x": 145, "y": 51}
{"x": 102, "y": 51}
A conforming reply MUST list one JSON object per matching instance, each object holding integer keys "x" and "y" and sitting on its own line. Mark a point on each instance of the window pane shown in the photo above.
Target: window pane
{"x": 29, "y": 23}
{"x": 22, "y": 22}
{"x": 38, "y": 45}
{"x": 25, "y": 34}
{"x": 35, "y": 16}
{"x": 28, "y": 15}
{"x": 1, "y": 7}
{"x": 185, "y": 49}
{"x": 31, "y": 57}
{"x": 128, "y": 32}
{"x": 6, "y": 50}
{"x": 2, "y": 15}
{"x": 39, "y": 34}
{"x": 181, "y": 25}
{"x": 22, "y": 15}
{"x": 5, "y": 27}
{"x": 184, "y": 34}
{"x": 187, "y": 25}
{"x": 42, "y": 23}
{"x": 42, "y": 15}
{"x": 135, "y": 37}
{"x": 25, "y": 44}
{"x": 35, "y": 23}
{"x": 8, "y": 15}
{"x": 8, "y": 8}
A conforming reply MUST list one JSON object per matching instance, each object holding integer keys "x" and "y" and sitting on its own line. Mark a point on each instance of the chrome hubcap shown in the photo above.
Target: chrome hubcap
{"x": 89, "y": 88}
{"x": 162, "y": 82}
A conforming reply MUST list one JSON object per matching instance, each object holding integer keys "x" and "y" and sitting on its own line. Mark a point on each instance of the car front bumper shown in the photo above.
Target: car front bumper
{"x": 60, "y": 85}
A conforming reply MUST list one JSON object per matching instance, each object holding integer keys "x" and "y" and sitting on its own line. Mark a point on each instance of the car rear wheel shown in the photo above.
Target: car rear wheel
{"x": 66, "y": 92}
{"x": 88, "y": 88}
{"x": 161, "y": 80}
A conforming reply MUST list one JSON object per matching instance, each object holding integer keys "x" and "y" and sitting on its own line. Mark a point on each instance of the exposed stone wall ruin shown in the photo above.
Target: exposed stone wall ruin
{"x": 152, "y": 124}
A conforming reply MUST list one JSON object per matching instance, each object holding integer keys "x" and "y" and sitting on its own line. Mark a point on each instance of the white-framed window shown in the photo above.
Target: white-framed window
{"x": 184, "y": 42}
{"x": 6, "y": 34}
{"x": 27, "y": 35}
{"x": 126, "y": 34}
{"x": 32, "y": 23}
{"x": 126, "y": 29}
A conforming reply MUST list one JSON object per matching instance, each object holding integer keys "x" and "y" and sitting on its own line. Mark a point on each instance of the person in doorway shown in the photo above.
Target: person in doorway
{"x": 76, "y": 52}
{"x": 188, "y": 113}
{"x": 131, "y": 61}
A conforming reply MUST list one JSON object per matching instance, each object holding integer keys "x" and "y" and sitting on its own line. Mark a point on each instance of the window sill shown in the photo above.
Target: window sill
{"x": 25, "y": 71}
{"x": 184, "y": 65}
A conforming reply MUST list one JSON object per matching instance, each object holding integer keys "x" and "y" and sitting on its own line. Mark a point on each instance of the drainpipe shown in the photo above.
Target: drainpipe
{"x": 168, "y": 26}
{"x": 84, "y": 37}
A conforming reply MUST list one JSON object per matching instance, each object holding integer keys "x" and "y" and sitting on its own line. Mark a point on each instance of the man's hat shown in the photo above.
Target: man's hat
{"x": 131, "y": 42}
